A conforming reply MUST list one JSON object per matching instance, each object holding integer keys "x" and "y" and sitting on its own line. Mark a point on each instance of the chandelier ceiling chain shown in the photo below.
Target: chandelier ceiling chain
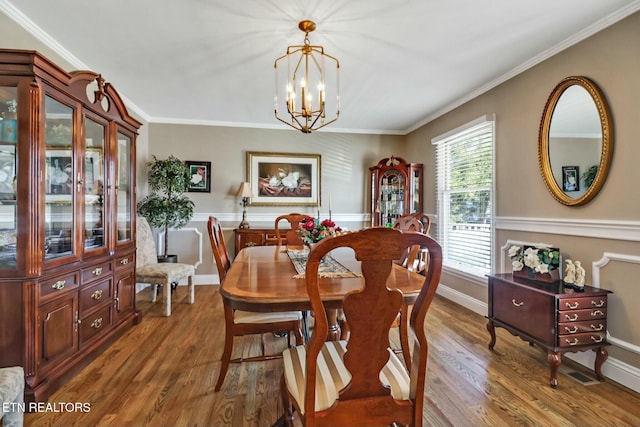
{"x": 304, "y": 112}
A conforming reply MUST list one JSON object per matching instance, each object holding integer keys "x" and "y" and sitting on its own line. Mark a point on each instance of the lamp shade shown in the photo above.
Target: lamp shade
{"x": 245, "y": 190}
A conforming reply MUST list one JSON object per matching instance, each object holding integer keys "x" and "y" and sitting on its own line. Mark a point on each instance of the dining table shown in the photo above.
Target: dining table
{"x": 265, "y": 279}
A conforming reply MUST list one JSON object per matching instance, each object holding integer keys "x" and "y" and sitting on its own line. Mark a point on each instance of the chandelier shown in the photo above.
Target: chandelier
{"x": 307, "y": 85}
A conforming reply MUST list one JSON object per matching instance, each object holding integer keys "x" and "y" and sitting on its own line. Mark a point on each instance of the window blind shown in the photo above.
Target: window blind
{"x": 464, "y": 181}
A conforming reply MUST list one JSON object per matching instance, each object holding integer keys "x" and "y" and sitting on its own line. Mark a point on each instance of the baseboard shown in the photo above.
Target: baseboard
{"x": 614, "y": 369}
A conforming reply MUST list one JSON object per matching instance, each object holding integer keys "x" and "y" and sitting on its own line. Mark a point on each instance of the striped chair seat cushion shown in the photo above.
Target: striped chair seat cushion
{"x": 240, "y": 316}
{"x": 332, "y": 375}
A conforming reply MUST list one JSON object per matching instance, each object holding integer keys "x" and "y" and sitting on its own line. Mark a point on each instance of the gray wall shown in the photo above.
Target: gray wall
{"x": 603, "y": 234}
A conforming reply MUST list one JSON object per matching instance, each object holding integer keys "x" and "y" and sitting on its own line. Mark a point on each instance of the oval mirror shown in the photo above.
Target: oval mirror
{"x": 575, "y": 143}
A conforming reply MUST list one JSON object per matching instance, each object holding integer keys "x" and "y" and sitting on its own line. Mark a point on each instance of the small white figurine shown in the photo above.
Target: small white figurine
{"x": 580, "y": 273}
{"x": 570, "y": 271}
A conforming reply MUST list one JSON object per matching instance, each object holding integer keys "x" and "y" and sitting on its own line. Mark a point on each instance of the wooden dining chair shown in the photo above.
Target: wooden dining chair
{"x": 360, "y": 381}
{"x": 291, "y": 234}
{"x": 239, "y": 323}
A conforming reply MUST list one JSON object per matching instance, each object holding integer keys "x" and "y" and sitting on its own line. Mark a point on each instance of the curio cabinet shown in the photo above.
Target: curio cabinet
{"x": 396, "y": 190}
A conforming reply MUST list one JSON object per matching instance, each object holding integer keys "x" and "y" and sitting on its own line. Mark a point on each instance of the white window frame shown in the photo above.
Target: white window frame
{"x": 443, "y": 214}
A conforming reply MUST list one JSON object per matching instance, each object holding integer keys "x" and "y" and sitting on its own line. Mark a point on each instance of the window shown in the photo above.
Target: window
{"x": 464, "y": 179}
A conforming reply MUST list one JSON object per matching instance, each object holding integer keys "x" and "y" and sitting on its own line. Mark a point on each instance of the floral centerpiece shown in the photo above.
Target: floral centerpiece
{"x": 312, "y": 231}
{"x": 535, "y": 263}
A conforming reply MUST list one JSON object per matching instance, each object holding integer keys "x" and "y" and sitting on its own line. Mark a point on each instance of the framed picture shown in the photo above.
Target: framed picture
{"x": 284, "y": 179}
{"x": 570, "y": 178}
{"x": 59, "y": 172}
{"x": 200, "y": 173}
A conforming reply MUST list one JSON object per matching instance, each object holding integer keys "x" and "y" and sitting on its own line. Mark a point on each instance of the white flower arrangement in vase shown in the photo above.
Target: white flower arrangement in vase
{"x": 538, "y": 263}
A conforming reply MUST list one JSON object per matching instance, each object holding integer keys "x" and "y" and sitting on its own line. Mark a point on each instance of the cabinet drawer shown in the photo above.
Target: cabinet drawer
{"x": 582, "y": 339}
{"x": 57, "y": 285}
{"x": 96, "y": 272}
{"x": 582, "y": 303}
{"x": 527, "y": 310}
{"x": 270, "y": 239}
{"x": 596, "y": 325}
{"x": 94, "y": 295}
{"x": 125, "y": 261}
{"x": 582, "y": 315}
{"x": 94, "y": 324}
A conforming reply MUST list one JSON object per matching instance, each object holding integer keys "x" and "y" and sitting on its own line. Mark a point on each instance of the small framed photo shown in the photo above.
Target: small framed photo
{"x": 570, "y": 178}
{"x": 200, "y": 173}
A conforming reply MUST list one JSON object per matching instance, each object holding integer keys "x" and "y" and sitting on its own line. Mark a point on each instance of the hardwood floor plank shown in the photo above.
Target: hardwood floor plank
{"x": 162, "y": 373}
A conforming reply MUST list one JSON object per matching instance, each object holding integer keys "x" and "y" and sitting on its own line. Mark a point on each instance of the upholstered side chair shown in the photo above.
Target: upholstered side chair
{"x": 239, "y": 323}
{"x": 291, "y": 233}
{"x": 149, "y": 270}
{"x": 11, "y": 396}
{"x": 360, "y": 381}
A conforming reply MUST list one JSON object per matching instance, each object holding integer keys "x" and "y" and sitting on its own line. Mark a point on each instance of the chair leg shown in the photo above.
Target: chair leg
{"x": 228, "y": 346}
{"x": 166, "y": 296}
{"x": 286, "y": 403}
{"x": 192, "y": 292}
{"x": 300, "y": 339}
{"x": 154, "y": 292}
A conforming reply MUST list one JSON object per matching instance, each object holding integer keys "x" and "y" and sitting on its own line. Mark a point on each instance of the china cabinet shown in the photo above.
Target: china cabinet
{"x": 67, "y": 212}
{"x": 396, "y": 190}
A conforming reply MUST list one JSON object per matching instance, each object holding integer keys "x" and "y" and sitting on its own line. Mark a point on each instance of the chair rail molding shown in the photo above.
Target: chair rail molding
{"x": 597, "y": 228}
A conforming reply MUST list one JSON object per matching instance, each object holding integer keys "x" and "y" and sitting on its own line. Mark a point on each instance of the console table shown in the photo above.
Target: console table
{"x": 255, "y": 237}
{"x": 556, "y": 318}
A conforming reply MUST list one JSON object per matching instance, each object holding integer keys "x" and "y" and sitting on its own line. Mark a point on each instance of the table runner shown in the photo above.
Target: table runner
{"x": 328, "y": 268}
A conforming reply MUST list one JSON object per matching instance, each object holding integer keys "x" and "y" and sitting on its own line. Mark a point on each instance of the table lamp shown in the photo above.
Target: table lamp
{"x": 245, "y": 192}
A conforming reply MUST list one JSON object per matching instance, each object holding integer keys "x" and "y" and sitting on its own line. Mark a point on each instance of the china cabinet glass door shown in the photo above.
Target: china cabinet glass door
{"x": 124, "y": 188}
{"x": 59, "y": 179}
{"x": 8, "y": 176}
{"x": 94, "y": 170}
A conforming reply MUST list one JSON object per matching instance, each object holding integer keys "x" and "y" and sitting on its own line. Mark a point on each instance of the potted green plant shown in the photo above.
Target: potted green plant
{"x": 167, "y": 206}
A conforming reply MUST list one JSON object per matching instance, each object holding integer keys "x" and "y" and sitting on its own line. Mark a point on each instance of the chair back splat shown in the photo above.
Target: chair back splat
{"x": 362, "y": 382}
{"x": 291, "y": 234}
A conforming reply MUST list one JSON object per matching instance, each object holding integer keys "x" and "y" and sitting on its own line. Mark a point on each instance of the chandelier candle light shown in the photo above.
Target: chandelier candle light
{"x": 305, "y": 68}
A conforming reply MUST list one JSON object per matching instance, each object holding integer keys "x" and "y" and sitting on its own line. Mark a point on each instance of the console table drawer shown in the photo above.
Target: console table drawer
{"x": 525, "y": 310}
{"x": 571, "y": 328}
{"x": 592, "y": 338}
{"x": 582, "y": 315}
{"x": 582, "y": 303}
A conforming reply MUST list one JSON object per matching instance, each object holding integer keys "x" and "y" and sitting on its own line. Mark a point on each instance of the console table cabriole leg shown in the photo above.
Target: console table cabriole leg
{"x": 555, "y": 359}
{"x": 492, "y": 332}
{"x": 601, "y": 356}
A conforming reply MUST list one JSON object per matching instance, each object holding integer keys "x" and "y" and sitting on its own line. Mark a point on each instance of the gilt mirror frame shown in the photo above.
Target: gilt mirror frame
{"x": 607, "y": 141}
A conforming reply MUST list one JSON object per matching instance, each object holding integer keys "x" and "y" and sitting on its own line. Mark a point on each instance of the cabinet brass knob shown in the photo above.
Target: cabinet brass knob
{"x": 597, "y": 303}
{"x": 97, "y": 271}
{"x": 597, "y": 313}
{"x": 597, "y": 328}
{"x": 572, "y": 306}
{"x": 517, "y": 304}
{"x": 571, "y": 318}
{"x": 96, "y": 324}
{"x": 571, "y": 330}
{"x": 97, "y": 294}
{"x": 59, "y": 284}
{"x": 596, "y": 339}
{"x": 575, "y": 341}
{"x": 124, "y": 261}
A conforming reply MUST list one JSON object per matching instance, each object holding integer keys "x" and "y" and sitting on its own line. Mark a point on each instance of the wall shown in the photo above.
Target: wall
{"x": 603, "y": 234}
{"x": 345, "y": 162}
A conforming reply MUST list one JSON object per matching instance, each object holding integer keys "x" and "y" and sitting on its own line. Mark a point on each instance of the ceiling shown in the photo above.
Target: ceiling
{"x": 402, "y": 62}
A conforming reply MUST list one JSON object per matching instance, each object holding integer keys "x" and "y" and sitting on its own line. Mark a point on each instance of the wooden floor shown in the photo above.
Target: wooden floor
{"x": 162, "y": 373}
